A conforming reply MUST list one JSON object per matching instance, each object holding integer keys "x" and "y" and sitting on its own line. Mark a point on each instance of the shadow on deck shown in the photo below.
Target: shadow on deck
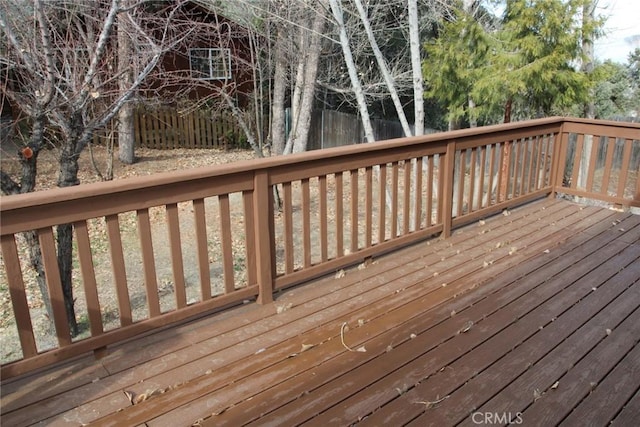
{"x": 529, "y": 317}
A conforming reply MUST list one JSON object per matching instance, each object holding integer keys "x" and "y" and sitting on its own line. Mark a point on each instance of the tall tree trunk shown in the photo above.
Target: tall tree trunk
{"x": 384, "y": 69}
{"x": 126, "y": 136}
{"x": 336, "y": 8}
{"x": 300, "y": 132}
{"x": 68, "y": 177}
{"x": 416, "y": 68}
{"x": 279, "y": 90}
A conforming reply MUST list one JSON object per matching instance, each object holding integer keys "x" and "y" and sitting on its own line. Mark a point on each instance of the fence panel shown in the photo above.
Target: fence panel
{"x": 168, "y": 128}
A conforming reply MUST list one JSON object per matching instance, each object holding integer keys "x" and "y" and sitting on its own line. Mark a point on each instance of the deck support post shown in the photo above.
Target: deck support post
{"x": 447, "y": 188}
{"x": 262, "y": 233}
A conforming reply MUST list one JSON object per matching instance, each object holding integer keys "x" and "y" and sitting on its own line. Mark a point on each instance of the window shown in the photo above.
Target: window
{"x": 210, "y": 64}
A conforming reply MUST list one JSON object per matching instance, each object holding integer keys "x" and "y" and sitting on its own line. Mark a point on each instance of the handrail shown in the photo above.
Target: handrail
{"x": 339, "y": 207}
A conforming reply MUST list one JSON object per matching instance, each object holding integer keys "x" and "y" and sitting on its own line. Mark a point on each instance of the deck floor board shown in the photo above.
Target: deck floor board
{"x": 504, "y": 308}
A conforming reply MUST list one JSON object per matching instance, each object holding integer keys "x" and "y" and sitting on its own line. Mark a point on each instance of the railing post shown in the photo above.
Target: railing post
{"x": 262, "y": 231}
{"x": 447, "y": 188}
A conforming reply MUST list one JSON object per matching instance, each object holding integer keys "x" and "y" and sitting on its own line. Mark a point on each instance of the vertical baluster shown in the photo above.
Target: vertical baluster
{"x": 175, "y": 243}
{"x": 148, "y": 262}
{"x": 577, "y": 161}
{"x": 481, "y": 171}
{"x": 368, "y": 209}
{"x": 382, "y": 204}
{"x": 288, "y": 228}
{"x": 354, "y": 210}
{"x": 324, "y": 238}
{"x": 406, "y": 196}
{"x": 54, "y": 284}
{"x": 203, "y": 248}
{"x": 306, "y": 223}
{"x": 429, "y": 208}
{"x": 593, "y": 156}
{"x": 18, "y": 296}
{"x": 608, "y": 165}
{"x": 118, "y": 269}
{"x": 417, "y": 211}
{"x": 227, "y": 247}
{"x": 88, "y": 278}
{"x": 492, "y": 164}
{"x": 394, "y": 200}
{"x": 472, "y": 178}
{"x": 462, "y": 166}
{"x": 339, "y": 215}
{"x": 624, "y": 167}
{"x": 250, "y": 240}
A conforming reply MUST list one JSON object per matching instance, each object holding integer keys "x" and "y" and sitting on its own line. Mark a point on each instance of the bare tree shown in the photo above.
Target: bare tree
{"x": 58, "y": 59}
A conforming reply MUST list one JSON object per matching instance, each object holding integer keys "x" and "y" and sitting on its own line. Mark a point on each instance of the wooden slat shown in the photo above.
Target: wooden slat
{"x": 482, "y": 171}
{"x": 608, "y": 166}
{"x": 54, "y": 285}
{"x": 624, "y": 167}
{"x": 200, "y": 225}
{"x": 472, "y": 178}
{"x": 324, "y": 229}
{"x": 462, "y": 169}
{"x": 18, "y": 296}
{"x": 601, "y": 405}
{"x": 339, "y": 215}
{"x": 368, "y": 206}
{"x": 306, "y": 222}
{"x": 406, "y": 197}
{"x": 353, "y": 180}
{"x": 532, "y": 149}
{"x": 418, "y": 193}
{"x": 447, "y": 167}
{"x": 593, "y": 157}
{"x": 175, "y": 244}
{"x": 430, "y": 192}
{"x": 523, "y": 169}
{"x": 492, "y": 162}
{"x": 118, "y": 269}
{"x": 577, "y": 161}
{"x": 382, "y": 204}
{"x": 250, "y": 240}
{"x": 88, "y": 278}
{"x": 148, "y": 262}
{"x": 227, "y": 247}
{"x": 394, "y": 200}
{"x": 288, "y": 227}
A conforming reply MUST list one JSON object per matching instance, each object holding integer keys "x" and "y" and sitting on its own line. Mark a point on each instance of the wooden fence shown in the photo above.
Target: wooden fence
{"x": 168, "y": 128}
{"x": 221, "y": 241}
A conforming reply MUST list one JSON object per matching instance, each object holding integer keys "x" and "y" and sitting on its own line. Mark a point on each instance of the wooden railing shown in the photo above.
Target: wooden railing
{"x": 152, "y": 251}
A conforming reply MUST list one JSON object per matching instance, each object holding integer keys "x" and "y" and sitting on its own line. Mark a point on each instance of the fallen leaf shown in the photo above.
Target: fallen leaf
{"x": 608, "y": 331}
{"x": 536, "y": 394}
{"x": 306, "y": 347}
{"x": 282, "y": 308}
{"x": 340, "y": 274}
{"x": 555, "y": 385}
{"x": 412, "y": 336}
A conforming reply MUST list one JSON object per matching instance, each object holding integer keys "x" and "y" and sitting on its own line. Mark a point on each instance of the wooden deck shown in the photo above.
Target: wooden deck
{"x": 530, "y": 316}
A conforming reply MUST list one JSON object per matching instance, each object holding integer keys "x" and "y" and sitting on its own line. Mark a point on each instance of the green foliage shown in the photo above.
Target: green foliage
{"x": 531, "y": 60}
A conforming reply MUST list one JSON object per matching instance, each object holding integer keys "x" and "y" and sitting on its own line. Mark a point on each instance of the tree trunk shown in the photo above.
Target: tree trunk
{"x": 416, "y": 67}
{"x": 279, "y": 90}
{"x": 300, "y": 132}
{"x": 68, "y": 177}
{"x": 126, "y": 137}
{"x": 383, "y": 69}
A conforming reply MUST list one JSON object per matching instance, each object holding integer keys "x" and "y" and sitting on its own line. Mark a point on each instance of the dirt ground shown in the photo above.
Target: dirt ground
{"x": 91, "y": 161}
